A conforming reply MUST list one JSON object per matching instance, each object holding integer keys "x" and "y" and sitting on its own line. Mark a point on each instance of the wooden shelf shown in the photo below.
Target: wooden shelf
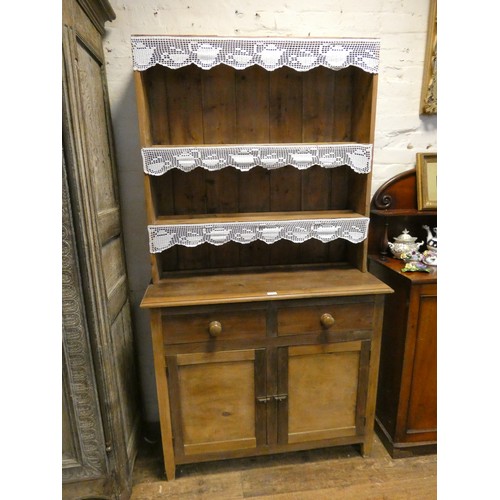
{"x": 225, "y": 218}
{"x": 262, "y": 286}
{"x": 403, "y": 212}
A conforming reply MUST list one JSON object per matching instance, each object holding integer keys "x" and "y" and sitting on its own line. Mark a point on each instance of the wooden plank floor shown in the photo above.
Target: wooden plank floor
{"x": 334, "y": 473}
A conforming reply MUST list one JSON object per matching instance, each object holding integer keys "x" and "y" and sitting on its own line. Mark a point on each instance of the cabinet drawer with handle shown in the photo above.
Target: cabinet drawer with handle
{"x": 213, "y": 325}
{"x": 332, "y": 317}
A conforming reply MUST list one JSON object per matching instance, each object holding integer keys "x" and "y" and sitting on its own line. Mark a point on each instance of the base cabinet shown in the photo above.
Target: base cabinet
{"x": 223, "y": 401}
{"x": 275, "y": 384}
{"x": 406, "y": 414}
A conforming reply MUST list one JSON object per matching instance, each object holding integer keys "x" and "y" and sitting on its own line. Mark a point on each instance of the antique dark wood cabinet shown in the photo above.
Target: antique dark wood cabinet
{"x": 266, "y": 324}
{"x": 100, "y": 411}
{"x": 406, "y": 412}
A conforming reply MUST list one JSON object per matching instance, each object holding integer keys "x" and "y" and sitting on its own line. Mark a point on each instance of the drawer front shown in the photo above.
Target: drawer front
{"x": 213, "y": 325}
{"x": 331, "y": 318}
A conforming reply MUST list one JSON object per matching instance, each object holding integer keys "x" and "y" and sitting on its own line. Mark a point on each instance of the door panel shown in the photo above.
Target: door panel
{"x": 422, "y": 408}
{"x": 325, "y": 390}
{"x": 214, "y": 400}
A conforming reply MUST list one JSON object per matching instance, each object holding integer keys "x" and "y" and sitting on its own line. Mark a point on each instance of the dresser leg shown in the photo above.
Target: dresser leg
{"x": 162, "y": 392}
{"x": 366, "y": 446}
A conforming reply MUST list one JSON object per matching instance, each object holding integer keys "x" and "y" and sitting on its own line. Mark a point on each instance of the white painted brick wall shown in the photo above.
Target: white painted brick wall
{"x": 401, "y": 132}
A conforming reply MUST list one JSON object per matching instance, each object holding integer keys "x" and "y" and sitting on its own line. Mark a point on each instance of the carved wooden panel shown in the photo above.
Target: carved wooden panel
{"x": 104, "y": 444}
{"x": 84, "y": 454}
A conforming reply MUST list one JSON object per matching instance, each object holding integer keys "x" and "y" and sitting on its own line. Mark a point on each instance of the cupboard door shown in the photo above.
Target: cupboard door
{"x": 326, "y": 389}
{"x": 419, "y": 391}
{"x": 215, "y": 401}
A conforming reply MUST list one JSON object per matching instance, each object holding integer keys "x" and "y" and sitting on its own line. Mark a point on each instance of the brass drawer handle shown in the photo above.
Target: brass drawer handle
{"x": 214, "y": 328}
{"x": 327, "y": 320}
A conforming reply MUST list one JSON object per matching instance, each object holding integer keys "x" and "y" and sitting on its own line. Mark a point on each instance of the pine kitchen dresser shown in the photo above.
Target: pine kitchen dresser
{"x": 266, "y": 324}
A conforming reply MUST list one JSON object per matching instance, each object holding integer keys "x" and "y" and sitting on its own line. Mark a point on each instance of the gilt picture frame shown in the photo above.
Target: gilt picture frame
{"x": 428, "y": 98}
{"x": 426, "y": 171}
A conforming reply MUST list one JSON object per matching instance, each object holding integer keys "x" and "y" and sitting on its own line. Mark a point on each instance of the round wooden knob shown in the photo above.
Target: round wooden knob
{"x": 214, "y": 328}
{"x": 327, "y": 320}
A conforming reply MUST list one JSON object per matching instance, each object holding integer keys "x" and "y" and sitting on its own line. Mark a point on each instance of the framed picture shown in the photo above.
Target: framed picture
{"x": 427, "y": 181}
{"x": 428, "y": 99}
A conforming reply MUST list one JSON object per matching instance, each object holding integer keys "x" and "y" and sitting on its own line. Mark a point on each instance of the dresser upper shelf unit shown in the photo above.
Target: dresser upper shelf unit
{"x": 264, "y": 128}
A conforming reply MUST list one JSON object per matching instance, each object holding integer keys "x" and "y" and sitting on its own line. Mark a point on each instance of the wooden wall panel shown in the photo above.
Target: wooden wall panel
{"x": 318, "y": 105}
{"x": 159, "y": 112}
{"x": 184, "y": 100}
{"x": 252, "y": 105}
{"x": 342, "y": 106}
{"x": 219, "y": 105}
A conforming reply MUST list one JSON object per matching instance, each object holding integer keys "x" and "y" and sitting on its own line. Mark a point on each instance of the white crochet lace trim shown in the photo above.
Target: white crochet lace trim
{"x": 157, "y": 161}
{"x": 162, "y": 237}
{"x": 301, "y": 54}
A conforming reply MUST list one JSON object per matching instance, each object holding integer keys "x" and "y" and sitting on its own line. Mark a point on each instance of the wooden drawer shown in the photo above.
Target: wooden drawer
{"x": 213, "y": 325}
{"x": 329, "y": 317}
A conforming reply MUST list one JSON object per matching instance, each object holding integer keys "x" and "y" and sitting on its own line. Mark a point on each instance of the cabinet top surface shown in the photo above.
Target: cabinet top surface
{"x": 395, "y": 265}
{"x": 301, "y": 54}
{"x": 262, "y": 286}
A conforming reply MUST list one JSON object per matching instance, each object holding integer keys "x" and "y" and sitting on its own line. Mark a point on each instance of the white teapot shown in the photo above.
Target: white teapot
{"x": 404, "y": 244}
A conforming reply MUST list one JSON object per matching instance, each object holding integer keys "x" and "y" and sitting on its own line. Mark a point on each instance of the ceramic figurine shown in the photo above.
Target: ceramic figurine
{"x": 430, "y": 255}
{"x": 432, "y": 239}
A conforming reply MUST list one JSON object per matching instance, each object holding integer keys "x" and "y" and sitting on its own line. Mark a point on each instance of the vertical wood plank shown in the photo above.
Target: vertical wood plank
{"x": 167, "y": 261}
{"x": 285, "y": 122}
{"x": 260, "y": 391}
{"x": 219, "y": 117}
{"x": 342, "y": 106}
{"x": 162, "y": 392}
{"x": 161, "y": 190}
{"x": 176, "y": 414}
{"x": 318, "y": 105}
{"x": 193, "y": 258}
{"x": 255, "y": 254}
{"x": 142, "y": 109}
{"x": 157, "y": 95}
{"x": 272, "y": 388}
{"x": 283, "y": 390}
{"x": 371, "y": 397}
{"x": 316, "y": 188}
{"x": 219, "y": 105}
{"x": 252, "y": 127}
{"x": 189, "y": 192}
{"x": 252, "y": 105}
{"x": 363, "y": 104}
{"x": 184, "y": 100}
{"x": 285, "y": 189}
{"x": 151, "y": 213}
{"x": 254, "y": 189}
{"x": 285, "y": 107}
{"x": 339, "y": 186}
{"x": 364, "y": 364}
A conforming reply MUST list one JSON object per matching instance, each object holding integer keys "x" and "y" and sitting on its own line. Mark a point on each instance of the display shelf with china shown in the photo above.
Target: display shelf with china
{"x": 257, "y": 156}
{"x": 406, "y": 412}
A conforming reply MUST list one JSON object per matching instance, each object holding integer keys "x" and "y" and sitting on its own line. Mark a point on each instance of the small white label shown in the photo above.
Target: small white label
{"x": 272, "y": 293}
